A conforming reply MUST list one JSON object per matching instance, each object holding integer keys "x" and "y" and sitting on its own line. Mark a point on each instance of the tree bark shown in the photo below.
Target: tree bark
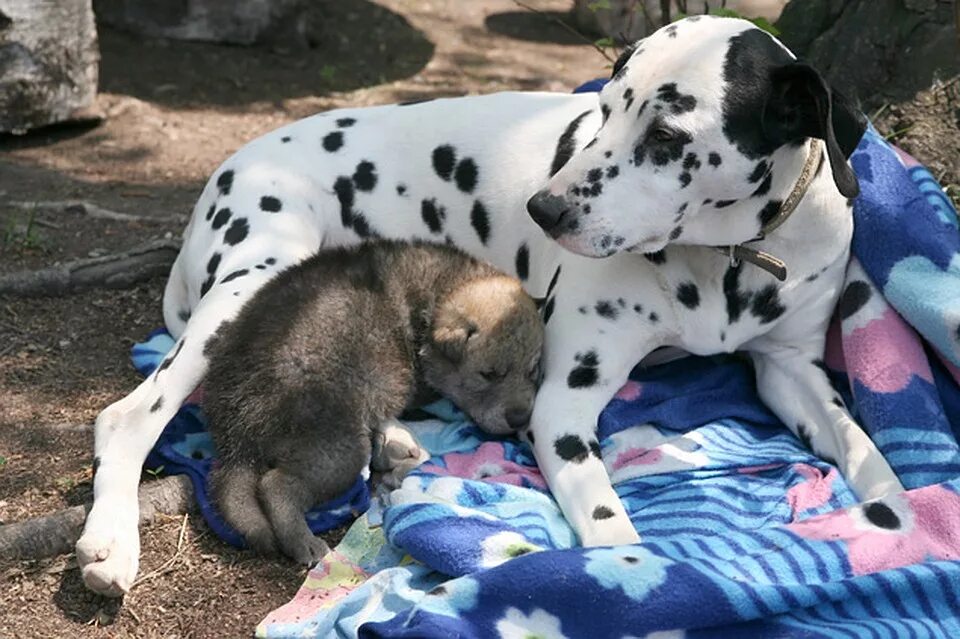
{"x": 48, "y": 62}
{"x": 57, "y": 533}
{"x": 875, "y": 50}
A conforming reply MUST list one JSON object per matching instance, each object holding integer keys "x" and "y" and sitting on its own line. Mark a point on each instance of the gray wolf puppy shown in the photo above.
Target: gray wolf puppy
{"x": 327, "y": 354}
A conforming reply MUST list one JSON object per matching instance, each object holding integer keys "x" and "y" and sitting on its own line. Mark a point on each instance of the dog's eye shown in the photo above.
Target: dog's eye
{"x": 490, "y": 376}
{"x": 661, "y": 134}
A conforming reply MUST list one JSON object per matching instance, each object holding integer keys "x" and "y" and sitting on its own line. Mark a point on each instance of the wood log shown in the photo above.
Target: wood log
{"x": 48, "y": 63}
{"x": 119, "y": 270}
{"x": 57, "y": 533}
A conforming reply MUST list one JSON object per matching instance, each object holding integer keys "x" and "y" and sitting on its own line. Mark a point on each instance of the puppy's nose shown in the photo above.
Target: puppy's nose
{"x": 547, "y": 209}
{"x": 518, "y": 418}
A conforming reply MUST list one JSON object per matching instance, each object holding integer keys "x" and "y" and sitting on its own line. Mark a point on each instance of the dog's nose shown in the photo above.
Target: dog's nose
{"x": 518, "y": 418}
{"x": 547, "y": 209}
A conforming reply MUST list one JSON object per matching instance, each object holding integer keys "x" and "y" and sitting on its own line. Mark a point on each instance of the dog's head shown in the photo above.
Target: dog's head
{"x": 695, "y": 118}
{"x": 483, "y": 352}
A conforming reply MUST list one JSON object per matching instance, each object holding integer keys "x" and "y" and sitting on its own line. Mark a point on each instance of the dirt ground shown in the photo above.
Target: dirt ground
{"x": 174, "y": 111}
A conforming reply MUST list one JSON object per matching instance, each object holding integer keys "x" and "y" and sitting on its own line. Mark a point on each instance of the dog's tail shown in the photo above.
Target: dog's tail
{"x": 234, "y": 490}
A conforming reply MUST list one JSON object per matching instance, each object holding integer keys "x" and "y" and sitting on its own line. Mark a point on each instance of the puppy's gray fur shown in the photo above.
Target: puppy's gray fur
{"x": 333, "y": 348}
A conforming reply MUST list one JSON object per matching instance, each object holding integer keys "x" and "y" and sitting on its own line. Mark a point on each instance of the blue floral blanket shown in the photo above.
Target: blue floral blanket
{"x": 745, "y": 533}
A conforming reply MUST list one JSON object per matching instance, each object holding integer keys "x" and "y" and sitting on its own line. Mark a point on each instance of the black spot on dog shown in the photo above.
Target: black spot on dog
{"x": 691, "y": 161}
{"x": 365, "y": 176}
{"x": 183, "y": 315}
{"x": 207, "y": 285}
{"x": 548, "y": 309}
{"x": 522, "y": 262}
{"x": 643, "y": 107}
{"x": 531, "y": 436}
{"x": 676, "y": 232}
{"x": 225, "y": 182}
{"x": 271, "y": 261}
{"x": 764, "y": 187}
{"x": 346, "y": 122}
{"x": 237, "y": 232}
{"x": 819, "y": 363}
{"x": 285, "y": 139}
{"x": 681, "y": 210}
{"x": 465, "y": 175}
{"x": 605, "y": 309}
{"x": 361, "y": 226}
{"x": 660, "y": 257}
{"x": 714, "y": 159}
{"x": 758, "y": 172}
{"x": 602, "y": 512}
{"x": 571, "y": 448}
{"x": 433, "y": 215}
{"x": 565, "y": 144}
{"x": 607, "y": 154}
{"x": 671, "y": 31}
{"x": 594, "y": 446}
{"x": 157, "y": 405}
{"x": 637, "y": 308}
{"x": 722, "y": 204}
{"x": 836, "y": 401}
{"x": 234, "y": 275}
{"x": 165, "y": 364}
{"x": 584, "y": 375}
{"x": 261, "y": 267}
{"x": 444, "y": 159}
{"x": 583, "y": 310}
{"x": 612, "y": 172}
{"x": 804, "y": 436}
{"x": 679, "y": 102}
{"x": 213, "y": 263}
{"x": 594, "y": 175}
{"x": 343, "y": 187}
{"x": 480, "y": 221}
{"x": 723, "y": 336}
{"x": 685, "y": 179}
{"x": 401, "y": 189}
{"x": 881, "y": 515}
{"x": 689, "y": 295}
{"x": 766, "y": 305}
{"x": 416, "y": 101}
{"x": 270, "y": 204}
{"x": 622, "y": 302}
{"x": 333, "y": 141}
{"x": 854, "y": 297}
{"x": 211, "y": 211}
{"x": 736, "y": 300}
{"x": 750, "y": 58}
{"x": 628, "y": 96}
{"x": 553, "y": 281}
{"x": 221, "y": 218}
{"x": 653, "y": 317}
{"x": 605, "y": 112}
{"x": 769, "y": 212}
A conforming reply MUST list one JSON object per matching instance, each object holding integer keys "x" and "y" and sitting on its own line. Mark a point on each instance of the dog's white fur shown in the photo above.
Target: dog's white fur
{"x": 605, "y": 315}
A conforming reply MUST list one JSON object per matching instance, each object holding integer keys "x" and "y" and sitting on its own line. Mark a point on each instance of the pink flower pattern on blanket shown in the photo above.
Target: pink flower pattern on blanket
{"x": 630, "y": 391}
{"x": 885, "y": 354}
{"x": 814, "y": 491}
{"x": 897, "y": 531}
{"x": 487, "y": 463}
{"x": 327, "y": 583}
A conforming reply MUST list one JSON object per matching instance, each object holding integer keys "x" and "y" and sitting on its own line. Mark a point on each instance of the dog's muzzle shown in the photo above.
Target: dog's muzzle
{"x": 549, "y": 212}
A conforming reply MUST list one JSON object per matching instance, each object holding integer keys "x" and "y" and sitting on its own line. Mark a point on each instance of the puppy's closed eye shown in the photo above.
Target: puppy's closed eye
{"x": 491, "y": 375}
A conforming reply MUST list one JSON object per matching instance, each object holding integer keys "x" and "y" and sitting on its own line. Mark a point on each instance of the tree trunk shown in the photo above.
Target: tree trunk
{"x": 237, "y": 22}
{"x": 48, "y": 62}
{"x": 876, "y": 50}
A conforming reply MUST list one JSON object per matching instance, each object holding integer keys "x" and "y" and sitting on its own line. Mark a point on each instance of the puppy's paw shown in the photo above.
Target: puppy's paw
{"x": 109, "y": 555}
{"x": 306, "y": 550}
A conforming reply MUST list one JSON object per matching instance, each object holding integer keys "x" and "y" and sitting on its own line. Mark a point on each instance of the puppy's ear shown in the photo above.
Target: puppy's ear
{"x": 622, "y": 59}
{"x": 450, "y": 335}
{"x": 801, "y": 105}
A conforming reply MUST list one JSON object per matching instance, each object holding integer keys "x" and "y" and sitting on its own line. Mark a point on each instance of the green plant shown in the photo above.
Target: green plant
{"x": 154, "y": 472}
{"x": 29, "y": 238}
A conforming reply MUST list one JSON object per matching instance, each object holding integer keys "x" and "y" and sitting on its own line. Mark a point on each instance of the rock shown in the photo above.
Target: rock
{"x": 48, "y": 62}
{"x": 237, "y": 22}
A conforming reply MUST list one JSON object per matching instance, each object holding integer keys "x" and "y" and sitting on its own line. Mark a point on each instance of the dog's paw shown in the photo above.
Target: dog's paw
{"x": 109, "y": 559}
{"x": 307, "y": 550}
{"x": 616, "y": 531}
{"x": 396, "y": 450}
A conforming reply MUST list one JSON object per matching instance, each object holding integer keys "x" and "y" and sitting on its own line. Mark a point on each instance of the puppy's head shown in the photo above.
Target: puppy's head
{"x": 701, "y": 115}
{"x": 483, "y": 352}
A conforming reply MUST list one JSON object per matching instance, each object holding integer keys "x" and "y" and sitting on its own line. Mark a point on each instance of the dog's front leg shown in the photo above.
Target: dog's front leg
{"x": 586, "y": 360}
{"x": 792, "y": 384}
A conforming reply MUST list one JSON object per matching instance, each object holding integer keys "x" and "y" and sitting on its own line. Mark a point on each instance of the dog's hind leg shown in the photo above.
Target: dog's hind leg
{"x": 792, "y": 384}
{"x": 108, "y": 550}
{"x": 235, "y": 493}
{"x": 285, "y": 497}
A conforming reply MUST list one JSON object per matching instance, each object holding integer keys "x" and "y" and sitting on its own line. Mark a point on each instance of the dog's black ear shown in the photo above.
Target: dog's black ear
{"x": 801, "y": 105}
{"x": 450, "y": 336}
{"x": 622, "y": 60}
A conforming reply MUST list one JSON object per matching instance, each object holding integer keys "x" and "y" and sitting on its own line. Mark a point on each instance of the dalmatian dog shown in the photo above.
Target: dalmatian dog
{"x": 700, "y": 201}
